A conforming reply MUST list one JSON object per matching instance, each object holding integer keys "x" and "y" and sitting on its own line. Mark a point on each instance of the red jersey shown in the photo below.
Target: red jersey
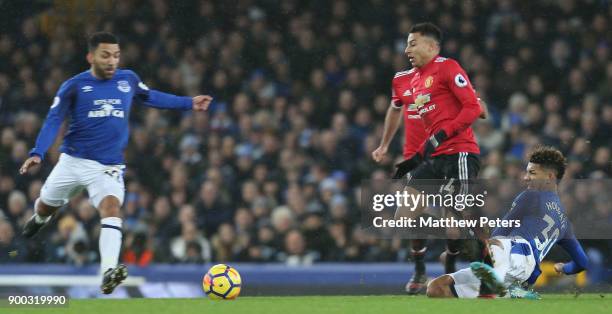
{"x": 446, "y": 100}
{"x": 401, "y": 96}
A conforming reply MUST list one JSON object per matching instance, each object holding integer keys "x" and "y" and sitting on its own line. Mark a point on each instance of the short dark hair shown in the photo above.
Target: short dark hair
{"x": 549, "y": 158}
{"x": 427, "y": 29}
{"x": 101, "y": 38}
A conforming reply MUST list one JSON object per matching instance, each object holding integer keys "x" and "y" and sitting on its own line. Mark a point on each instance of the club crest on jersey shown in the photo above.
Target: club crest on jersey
{"x": 428, "y": 81}
{"x": 124, "y": 86}
{"x": 460, "y": 80}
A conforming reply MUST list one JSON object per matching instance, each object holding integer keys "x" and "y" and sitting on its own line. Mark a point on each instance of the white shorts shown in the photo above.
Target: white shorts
{"x": 514, "y": 262}
{"x": 72, "y": 174}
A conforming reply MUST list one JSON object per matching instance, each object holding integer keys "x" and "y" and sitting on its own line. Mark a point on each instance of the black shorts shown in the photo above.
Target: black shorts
{"x": 447, "y": 174}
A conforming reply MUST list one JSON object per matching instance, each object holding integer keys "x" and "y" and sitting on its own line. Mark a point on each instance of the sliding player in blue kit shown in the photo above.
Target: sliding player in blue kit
{"x": 98, "y": 102}
{"x": 517, "y": 252}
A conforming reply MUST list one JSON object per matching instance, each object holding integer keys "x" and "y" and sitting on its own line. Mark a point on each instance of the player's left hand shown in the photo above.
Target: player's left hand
{"x": 433, "y": 142}
{"x": 406, "y": 166}
{"x": 559, "y": 268}
{"x": 201, "y": 102}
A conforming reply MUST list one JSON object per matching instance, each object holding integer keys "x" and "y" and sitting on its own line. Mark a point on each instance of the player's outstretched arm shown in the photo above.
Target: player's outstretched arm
{"x": 579, "y": 258}
{"x": 48, "y": 132}
{"x": 392, "y": 122}
{"x": 161, "y": 100}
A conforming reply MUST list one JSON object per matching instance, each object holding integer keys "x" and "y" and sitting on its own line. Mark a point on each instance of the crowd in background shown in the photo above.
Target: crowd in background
{"x": 301, "y": 88}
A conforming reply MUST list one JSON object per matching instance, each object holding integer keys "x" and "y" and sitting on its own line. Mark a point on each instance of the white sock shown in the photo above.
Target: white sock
{"x": 501, "y": 261}
{"x": 110, "y": 243}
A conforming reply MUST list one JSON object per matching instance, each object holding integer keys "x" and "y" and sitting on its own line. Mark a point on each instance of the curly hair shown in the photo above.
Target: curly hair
{"x": 549, "y": 158}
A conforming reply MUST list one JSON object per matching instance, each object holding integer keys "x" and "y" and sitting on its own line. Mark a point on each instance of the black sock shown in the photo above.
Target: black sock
{"x": 453, "y": 248}
{"x": 485, "y": 254}
{"x": 418, "y": 254}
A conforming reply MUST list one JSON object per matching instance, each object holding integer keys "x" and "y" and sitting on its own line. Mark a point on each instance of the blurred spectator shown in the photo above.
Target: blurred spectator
{"x": 70, "y": 244}
{"x": 16, "y": 212}
{"x": 11, "y": 249}
{"x": 179, "y": 245}
{"x": 295, "y": 253}
{"x": 137, "y": 249}
{"x": 226, "y": 246}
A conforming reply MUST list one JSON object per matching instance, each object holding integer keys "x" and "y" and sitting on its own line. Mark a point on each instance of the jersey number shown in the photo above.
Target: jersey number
{"x": 547, "y": 242}
{"x": 448, "y": 187}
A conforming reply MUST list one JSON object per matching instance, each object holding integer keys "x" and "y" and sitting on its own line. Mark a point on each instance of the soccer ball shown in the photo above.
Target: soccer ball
{"x": 222, "y": 282}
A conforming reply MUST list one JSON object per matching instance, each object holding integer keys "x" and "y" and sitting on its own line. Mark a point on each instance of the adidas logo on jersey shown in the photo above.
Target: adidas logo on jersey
{"x": 407, "y": 93}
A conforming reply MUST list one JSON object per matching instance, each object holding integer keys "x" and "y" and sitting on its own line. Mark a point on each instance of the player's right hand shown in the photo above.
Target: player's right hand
{"x": 379, "y": 153}
{"x": 32, "y": 161}
{"x": 559, "y": 268}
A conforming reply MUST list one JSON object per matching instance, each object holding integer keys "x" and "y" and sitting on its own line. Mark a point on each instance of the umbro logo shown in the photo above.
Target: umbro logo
{"x": 87, "y": 88}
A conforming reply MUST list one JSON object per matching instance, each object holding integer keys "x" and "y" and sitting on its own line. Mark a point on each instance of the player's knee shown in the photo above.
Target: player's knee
{"x": 434, "y": 290}
{"x": 110, "y": 206}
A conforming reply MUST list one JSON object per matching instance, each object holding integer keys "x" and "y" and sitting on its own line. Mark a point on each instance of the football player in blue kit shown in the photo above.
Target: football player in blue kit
{"x": 98, "y": 102}
{"x": 517, "y": 252}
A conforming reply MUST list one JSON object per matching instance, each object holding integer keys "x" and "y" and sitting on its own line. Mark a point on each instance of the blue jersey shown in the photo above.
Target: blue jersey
{"x": 99, "y": 113}
{"x": 544, "y": 224}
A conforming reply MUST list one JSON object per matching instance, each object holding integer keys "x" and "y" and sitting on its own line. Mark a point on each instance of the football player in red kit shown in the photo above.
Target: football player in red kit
{"x": 414, "y": 137}
{"x": 447, "y": 104}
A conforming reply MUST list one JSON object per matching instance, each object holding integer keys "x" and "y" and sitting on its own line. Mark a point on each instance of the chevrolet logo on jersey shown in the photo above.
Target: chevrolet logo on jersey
{"x": 427, "y": 109}
{"x": 107, "y": 109}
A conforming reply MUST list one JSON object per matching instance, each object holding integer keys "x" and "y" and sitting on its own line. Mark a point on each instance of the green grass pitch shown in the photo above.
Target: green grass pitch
{"x": 551, "y": 303}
